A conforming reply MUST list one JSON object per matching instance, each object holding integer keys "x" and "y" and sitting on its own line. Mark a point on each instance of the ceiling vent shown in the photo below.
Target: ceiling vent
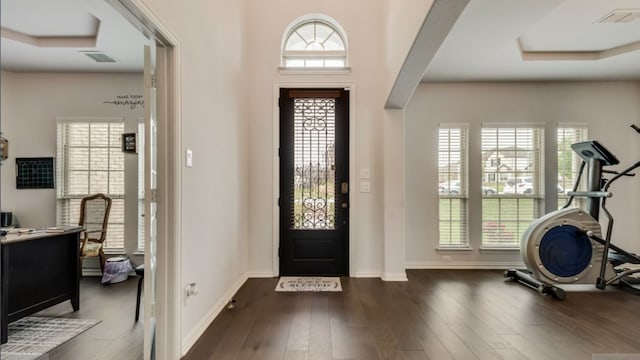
{"x": 100, "y": 57}
{"x": 620, "y": 16}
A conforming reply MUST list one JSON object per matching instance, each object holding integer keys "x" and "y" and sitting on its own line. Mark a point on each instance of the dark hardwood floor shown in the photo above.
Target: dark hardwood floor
{"x": 437, "y": 314}
{"x": 117, "y": 336}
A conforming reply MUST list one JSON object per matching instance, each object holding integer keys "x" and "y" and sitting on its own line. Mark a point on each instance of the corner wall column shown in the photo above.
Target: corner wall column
{"x": 394, "y": 256}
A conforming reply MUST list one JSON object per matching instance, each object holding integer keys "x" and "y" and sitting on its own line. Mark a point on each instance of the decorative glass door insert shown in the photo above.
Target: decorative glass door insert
{"x": 314, "y": 181}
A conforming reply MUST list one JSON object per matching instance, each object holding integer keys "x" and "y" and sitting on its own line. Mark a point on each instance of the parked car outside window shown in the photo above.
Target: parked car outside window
{"x": 518, "y": 186}
{"x": 523, "y": 186}
{"x": 449, "y": 187}
{"x": 453, "y": 188}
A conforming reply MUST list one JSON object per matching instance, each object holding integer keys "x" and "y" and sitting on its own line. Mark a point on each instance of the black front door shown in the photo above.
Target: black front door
{"x": 314, "y": 182}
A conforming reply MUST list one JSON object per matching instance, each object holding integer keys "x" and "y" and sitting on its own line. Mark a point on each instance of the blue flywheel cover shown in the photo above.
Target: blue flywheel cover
{"x": 564, "y": 251}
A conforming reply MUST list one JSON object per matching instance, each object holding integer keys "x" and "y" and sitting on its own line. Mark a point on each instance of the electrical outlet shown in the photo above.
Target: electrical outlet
{"x": 191, "y": 289}
{"x": 446, "y": 258}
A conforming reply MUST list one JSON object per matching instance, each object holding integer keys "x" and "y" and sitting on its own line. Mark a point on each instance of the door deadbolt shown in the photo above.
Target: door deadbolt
{"x": 345, "y": 187}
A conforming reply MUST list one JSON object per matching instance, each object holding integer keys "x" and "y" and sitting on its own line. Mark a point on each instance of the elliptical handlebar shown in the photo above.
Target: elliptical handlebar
{"x": 597, "y": 156}
{"x": 615, "y": 172}
{"x": 602, "y": 282}
{"x": 625, "y": 172}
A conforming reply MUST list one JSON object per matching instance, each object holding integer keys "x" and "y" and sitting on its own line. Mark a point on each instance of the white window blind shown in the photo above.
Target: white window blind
{"x": 90, "y": 160}
{"x": 452, "y": 186}
{"x": 140, "y": 147}
{"x": 569, "y": 163}
{"x": 512, "y": 164}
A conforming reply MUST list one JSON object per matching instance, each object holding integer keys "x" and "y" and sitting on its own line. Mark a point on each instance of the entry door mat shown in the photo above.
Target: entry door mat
{"x": 308, "y": 283}
{"x": 32, "y": 337}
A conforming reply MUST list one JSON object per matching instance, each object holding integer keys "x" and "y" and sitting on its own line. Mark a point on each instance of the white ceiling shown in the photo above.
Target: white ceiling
{"x": 54, "y": 35}
{"x": 562, "y": 40}
{"x": 483, "y": 45}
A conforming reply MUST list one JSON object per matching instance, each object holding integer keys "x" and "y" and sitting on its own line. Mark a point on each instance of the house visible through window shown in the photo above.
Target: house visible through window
{"x": 90, "y": 160}
{"x": 314, "y": 44}
{"x": 569, "y": 163}
{"x": 452, "y": 186}
{"x": 513, "y": 182}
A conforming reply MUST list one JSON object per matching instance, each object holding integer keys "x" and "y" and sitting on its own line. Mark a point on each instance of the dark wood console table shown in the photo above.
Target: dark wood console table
{"x": 39, "y": 270}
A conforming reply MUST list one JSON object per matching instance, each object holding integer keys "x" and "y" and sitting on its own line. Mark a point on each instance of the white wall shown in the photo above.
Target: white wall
{"x": 213, "y": 101}
{"x": 361, "y": 20}
{"x": 230, "y": 53}
{"x": 30, "y": 104}
{"x": 403, "y": 19}
{"x": 608, "y": 108}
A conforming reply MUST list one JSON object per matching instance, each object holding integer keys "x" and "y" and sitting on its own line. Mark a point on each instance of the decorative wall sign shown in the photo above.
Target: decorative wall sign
{"x": 34, "y": 173}
{"x": 132, "y": 101}
{"x": 129, "y": 142}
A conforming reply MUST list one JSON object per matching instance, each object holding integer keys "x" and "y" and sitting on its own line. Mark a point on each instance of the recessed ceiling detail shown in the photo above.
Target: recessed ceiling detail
{"x": 53, "y": 33}
{"x": 563, "y": 35}
{"x": 50, "y": 41}
{"x": 53, "y": 36}
{"x": 620, "y": 16}
{"x": 529, "y": 55}
{"x": 570, "y": 33}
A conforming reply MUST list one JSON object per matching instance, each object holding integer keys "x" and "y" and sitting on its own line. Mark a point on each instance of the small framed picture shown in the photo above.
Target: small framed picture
{"x": 129, "y": 142}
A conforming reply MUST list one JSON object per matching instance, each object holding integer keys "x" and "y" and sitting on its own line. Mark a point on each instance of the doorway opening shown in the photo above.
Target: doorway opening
{"x": 314, "y": 182}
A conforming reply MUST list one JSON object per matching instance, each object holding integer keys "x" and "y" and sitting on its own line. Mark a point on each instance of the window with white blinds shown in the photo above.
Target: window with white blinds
{"x": 452, "y": 186}
{"x": 512, "y": 164}
{"x": 140, "y": 148}
{"x": 90, "y": 160}
{"x": 569, "y": 163}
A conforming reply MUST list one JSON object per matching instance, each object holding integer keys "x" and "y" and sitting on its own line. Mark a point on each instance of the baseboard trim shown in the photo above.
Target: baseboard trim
{"x": 260, "y": 274}
{"x": 464, "y": 265}
{"x": 394, "y": 277}
{"x": 367, "y": 274}
{"x": 193, "y": 336}
{"x": 384, "y": 277}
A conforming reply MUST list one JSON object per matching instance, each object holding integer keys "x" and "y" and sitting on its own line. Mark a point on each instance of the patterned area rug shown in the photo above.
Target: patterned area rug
{"x": 308, "y": 283}
{"x": 32, "y": 337}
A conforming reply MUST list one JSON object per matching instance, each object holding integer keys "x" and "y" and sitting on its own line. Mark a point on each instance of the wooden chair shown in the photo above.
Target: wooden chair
{"x": 94, "y": 217}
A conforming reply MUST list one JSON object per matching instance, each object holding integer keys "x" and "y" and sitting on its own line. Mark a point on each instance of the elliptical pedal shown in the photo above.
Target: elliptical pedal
{"x": 631, "y": 283}
{"x": 525, "y": 277}
{"x": 556, "y": 292}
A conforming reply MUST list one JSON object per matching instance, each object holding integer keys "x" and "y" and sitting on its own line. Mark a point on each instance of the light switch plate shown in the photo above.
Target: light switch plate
{"x": 189, "y": 158}
{"x": 365, "y": 187}
{"x": 365, "y": 173}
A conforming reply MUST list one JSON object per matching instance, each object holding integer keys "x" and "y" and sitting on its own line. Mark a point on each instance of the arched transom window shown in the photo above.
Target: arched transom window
{"x": 314, "y": 44}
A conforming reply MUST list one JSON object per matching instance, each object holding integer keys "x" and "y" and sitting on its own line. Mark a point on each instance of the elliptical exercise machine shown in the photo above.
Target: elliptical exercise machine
{"x": 566, "y": 245}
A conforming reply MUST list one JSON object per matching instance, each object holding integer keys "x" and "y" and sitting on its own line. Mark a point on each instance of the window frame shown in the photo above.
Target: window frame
{"x": 462, "y": 196}
{"x": 64, "y": 198}
{"x": 318, "y": 55}
{"x": 502, "y": 227}
{"x": 581, "y": 133}
{"x": 141, "y": 190}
